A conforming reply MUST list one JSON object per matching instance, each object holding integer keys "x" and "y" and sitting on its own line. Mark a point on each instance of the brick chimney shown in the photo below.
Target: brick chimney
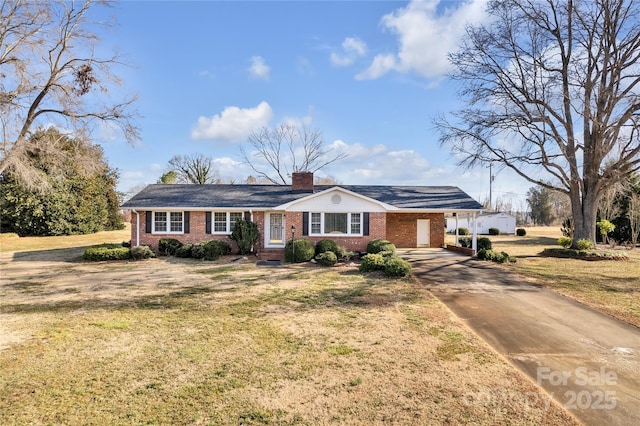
{"x": 302, "y": 181}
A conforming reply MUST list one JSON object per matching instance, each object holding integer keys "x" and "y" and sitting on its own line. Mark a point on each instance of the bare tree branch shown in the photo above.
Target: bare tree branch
{"x": 287, "y": 149}
{"x": 552, "y": 90}
{"x": 49, "y": 75}
{"x": 197, "y": 169}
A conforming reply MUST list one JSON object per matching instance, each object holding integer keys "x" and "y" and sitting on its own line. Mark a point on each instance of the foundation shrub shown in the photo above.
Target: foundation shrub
{"x": 327, "y": 258}
{"x": 301, "y": 248}
{"x": 494, "y": 231}
{"x": 463, "y": 231}
{"x": 142, "y": 252}
{"x": 184, "y": 251}
{"x": 379, "y": 245}
{"x": 168, "y": 246}
{"x": 326, "y": 245}
{"x": 521, "y": 232}
{"x": 107, "y": 252}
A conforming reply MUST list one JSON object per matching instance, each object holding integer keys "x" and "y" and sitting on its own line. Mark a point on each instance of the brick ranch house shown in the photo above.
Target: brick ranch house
{"x": 351, "y": 215}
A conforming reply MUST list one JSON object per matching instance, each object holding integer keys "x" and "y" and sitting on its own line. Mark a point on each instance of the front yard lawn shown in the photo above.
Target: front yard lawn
{"x": 178, "y": 341}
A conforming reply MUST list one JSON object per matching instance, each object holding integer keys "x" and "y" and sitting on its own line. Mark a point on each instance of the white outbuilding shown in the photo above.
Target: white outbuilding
{"x": 505, "y": 222}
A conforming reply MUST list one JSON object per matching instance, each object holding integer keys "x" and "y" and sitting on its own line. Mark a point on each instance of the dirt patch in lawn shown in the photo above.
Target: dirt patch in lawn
{"x": 177, "y": 341}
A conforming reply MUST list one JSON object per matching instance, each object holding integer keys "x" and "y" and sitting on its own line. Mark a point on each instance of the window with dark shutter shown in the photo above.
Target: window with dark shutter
{"x": 247, "y": 216}
{"x": 148, "y": 222}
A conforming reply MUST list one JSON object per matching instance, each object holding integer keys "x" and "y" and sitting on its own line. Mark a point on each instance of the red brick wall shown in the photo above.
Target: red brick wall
{"x": 402, "y": 228}
{"x": 377, "y": 227}
{"x": 399, "y": 228}
{"x": 197, "y": 224}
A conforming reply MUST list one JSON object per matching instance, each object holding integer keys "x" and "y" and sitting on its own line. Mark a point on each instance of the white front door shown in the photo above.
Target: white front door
{"x": 424, "y": 233}
{"x": 275, "y": 230}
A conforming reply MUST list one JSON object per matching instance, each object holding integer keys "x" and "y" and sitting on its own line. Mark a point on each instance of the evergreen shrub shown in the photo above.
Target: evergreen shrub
{"x": 304, "y": 250}
{"x": 168, "y": 246}
{"x": 327, "y": 258}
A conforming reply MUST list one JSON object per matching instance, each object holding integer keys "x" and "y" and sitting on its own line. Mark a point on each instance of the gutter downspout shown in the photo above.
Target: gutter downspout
{"x": 137, "y": 227}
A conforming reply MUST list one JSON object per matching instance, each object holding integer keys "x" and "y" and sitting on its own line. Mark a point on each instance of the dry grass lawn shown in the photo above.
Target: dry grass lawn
{"x": 612, "y": 287}
{"x": 173, "y": 341}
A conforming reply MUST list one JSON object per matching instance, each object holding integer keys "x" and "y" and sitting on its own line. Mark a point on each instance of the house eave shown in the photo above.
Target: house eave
{"x": 288, "y": 205}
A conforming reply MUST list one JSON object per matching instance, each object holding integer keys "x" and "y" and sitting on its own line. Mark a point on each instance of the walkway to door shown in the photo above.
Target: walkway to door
{"x": 588, "y": 361}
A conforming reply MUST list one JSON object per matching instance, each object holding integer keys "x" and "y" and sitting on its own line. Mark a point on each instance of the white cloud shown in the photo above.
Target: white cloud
{"x": 352, "y": 49}
{"x": 233, "y": 123}
{"x": 426, "y": 35}
{"x": 377, "y": 165}
{"x": 259, "y": 68}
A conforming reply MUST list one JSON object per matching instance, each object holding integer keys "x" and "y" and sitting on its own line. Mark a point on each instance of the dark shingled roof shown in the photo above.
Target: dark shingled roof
{"x": 269, "y": 196}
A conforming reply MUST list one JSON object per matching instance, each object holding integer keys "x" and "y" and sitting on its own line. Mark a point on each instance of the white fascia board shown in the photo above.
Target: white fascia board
{"x": 194, "y": 209}
{"x": 438, "y": 210}
{"x": 288, "y": 205}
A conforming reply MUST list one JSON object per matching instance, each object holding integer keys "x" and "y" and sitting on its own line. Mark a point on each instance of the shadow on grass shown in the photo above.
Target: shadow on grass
{"x": 234, "y": 299}
{"x": 72, "y": 255}
{"x": 531, "y": 241}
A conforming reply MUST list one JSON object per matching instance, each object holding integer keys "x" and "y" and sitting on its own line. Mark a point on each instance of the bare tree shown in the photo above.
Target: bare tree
{"x": 634, "y": 216}
{"x": 287, "y": 149}
{"x": 50, "y": 75}
{"x": 198, "y": 169}
{"x": 608, "y": 205}
{"x": 552, "y": 92}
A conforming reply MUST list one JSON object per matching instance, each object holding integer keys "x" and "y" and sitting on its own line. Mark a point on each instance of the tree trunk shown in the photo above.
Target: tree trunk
{"x": 584, "y": 213}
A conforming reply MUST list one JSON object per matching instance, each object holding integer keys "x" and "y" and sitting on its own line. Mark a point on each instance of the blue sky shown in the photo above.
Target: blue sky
{"x": 370, "y": 75}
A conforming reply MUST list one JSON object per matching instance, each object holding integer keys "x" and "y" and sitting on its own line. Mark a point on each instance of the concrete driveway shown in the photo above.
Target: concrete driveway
{"x": 588, "y": 361}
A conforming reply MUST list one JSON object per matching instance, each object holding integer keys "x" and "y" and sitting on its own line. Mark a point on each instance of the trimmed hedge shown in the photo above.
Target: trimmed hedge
{"x": 396, "y": 267}
{"x": 494, "y": 231}
{"x": 494, "y": 256}
{"x": 142, "y": 252}
{"x": 304, "y": 250}
{"x": 521, "y": 232}
{"x": 327, "y": 258}
{"x": 213, "y": 249}
{"x": 168, "y": 246}
{"x": 326, "y": 245}
{"x": 372, "y": 262}
{"x": 184, "y": 251}
{"x": 380, "y": 245}
{"x": 107, "y": 252}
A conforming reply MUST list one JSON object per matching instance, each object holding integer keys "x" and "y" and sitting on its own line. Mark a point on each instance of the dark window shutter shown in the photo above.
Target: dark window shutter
{"x": 148, "y": 222}
{"x": 305, "y": 223}
{"x": 207, "y": 223}
{"x": 187, "y": 222}
{"x": 247, "y": 216}
{"x": 365, "y": 223}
